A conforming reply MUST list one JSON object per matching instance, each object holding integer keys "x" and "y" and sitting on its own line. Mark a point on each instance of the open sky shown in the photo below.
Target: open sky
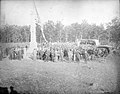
{"x": 68, "y": 11}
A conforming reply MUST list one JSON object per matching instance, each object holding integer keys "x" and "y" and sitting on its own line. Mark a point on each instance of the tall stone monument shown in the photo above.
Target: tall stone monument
{"x": 33, "y": 43}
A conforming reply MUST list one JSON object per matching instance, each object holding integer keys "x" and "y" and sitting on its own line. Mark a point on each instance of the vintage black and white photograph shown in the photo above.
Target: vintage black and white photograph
{"x": 59, "y": 46}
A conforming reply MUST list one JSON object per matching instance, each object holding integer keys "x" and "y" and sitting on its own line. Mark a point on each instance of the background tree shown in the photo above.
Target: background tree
{"x": 113, "y": 28}
{"x": 49, "y": 29}
{"x": 58, "y": 32}
{"x": 25, "y": 33}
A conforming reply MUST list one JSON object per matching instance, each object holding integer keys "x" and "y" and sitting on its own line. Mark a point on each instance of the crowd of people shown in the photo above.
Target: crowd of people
{"x": 12, "y": 53}
{"x": 71, "y": 54}
{"x": 56, "y": 53}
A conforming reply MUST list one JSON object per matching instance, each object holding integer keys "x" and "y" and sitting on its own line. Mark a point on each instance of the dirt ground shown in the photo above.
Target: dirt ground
{"x": 39, "y": 77}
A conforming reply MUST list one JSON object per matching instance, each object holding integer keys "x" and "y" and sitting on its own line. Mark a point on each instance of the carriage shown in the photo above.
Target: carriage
{"x": 93, "y": 47}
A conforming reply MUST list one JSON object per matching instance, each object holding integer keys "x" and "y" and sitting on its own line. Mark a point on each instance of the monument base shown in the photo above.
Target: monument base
{"x": 32, "y": 51}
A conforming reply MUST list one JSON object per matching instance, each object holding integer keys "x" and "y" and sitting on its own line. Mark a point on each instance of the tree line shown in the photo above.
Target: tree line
{"x": 55, "y": 32}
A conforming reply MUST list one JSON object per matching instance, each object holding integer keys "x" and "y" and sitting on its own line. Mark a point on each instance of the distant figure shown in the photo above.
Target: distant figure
{"x": 4, "y": 90}
{"x": 44, "y": 55}
{"x": 51, "y": 56}
{"x": 34, "y": 54}
{"x": 12, "y": 91}
{"x": 56, "y": 55}
{"x": 70, "y": 54}
{"x": 74, "y": 55}
{"x": 24, "y": 52}
{"x": 0, "y": 54}
{"x": 65, "y": 54}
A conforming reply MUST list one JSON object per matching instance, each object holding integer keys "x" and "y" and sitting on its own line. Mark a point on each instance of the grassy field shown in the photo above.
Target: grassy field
{"x": 39, "y": 77}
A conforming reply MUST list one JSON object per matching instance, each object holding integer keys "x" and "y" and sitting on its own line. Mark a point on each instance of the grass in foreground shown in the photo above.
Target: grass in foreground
{"x": 39, "y": 77}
